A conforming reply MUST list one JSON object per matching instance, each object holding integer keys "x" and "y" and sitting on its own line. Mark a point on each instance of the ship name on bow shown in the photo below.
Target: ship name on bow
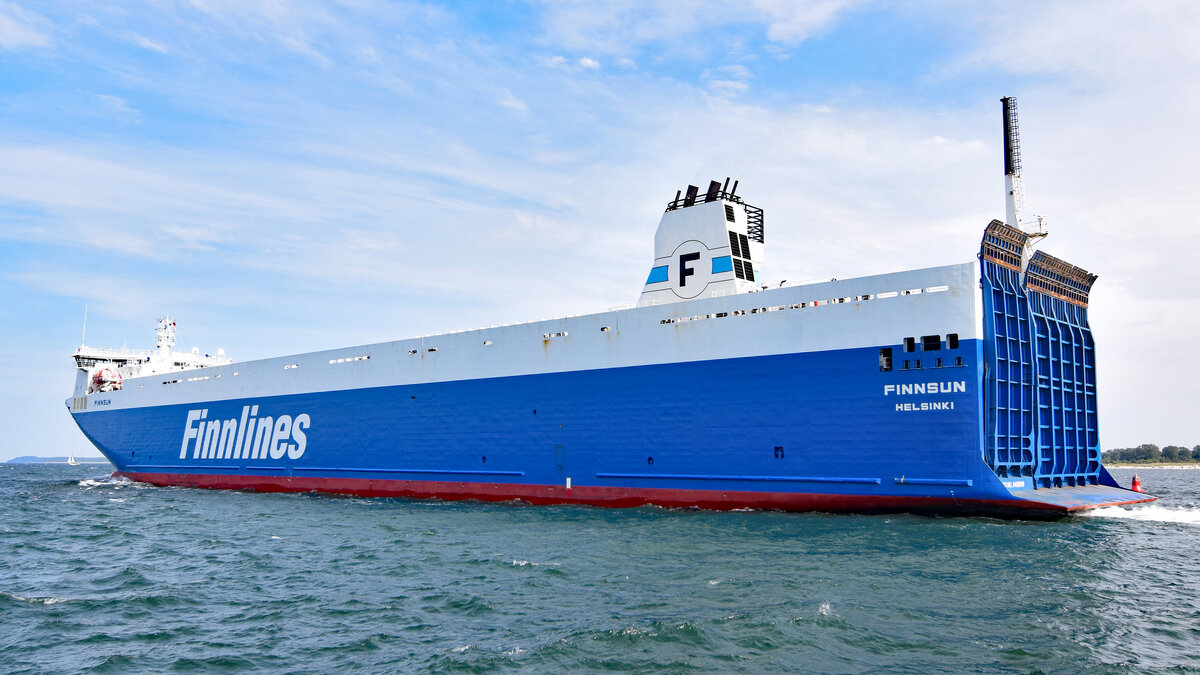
{"x": 247, "y": 437}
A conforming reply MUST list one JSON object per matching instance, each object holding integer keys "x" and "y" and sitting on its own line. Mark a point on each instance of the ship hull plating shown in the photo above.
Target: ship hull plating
{"x": 824, "y": 431}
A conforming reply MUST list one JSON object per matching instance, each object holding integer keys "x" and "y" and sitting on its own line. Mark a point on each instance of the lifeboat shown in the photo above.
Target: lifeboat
{"x": 106, "y": 379}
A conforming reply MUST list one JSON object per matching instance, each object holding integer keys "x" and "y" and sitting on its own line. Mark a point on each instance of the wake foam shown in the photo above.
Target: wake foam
{"x": 1151, "y": 512}
{"x": 116, "y": 482}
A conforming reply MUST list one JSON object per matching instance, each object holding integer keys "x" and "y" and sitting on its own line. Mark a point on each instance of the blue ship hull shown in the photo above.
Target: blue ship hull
{"x": 806, "y": 431}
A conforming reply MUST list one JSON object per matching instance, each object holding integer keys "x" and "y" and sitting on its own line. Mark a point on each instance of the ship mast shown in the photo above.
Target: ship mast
{"x": 1014, "y": 186}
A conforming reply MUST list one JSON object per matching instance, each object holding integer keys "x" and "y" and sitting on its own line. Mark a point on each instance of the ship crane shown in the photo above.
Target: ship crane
{"x": 1014, "y": 185}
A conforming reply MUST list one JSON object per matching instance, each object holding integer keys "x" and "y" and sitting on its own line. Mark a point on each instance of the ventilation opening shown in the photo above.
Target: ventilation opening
{"x": 729, "y": 212}
{"x": 738, "y": 270}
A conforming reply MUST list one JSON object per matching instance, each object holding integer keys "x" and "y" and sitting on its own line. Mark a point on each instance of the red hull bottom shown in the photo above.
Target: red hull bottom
{"x": 622, "y": 497}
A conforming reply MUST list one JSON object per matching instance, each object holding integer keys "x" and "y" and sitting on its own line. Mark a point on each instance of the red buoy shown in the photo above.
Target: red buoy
{"x": 1137, "y": 484}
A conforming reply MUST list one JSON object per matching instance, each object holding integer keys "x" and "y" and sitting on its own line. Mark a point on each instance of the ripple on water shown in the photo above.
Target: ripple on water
{"x": 181, "y": 579}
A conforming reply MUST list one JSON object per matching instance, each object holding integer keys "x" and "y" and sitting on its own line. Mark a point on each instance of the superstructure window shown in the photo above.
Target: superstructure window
{"x": 910, "y": 344}
{"x": 931, "y": 343}
{"x": 885, "y": 359}
{"x": 952, "y": 341}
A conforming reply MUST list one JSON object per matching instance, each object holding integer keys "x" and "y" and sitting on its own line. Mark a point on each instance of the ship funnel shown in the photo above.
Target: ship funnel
{"x": 705, "y": 247}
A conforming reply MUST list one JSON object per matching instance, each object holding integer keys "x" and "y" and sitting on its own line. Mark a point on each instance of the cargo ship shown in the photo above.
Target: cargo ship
{"x": 967, "y": 388}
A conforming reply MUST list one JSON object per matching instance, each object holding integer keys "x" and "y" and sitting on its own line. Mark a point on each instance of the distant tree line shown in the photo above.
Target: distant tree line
{"x": 1149, "y": 453}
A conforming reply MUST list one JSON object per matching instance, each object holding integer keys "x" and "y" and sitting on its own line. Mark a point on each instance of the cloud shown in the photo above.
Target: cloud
{"x": 116, "y": 105}
{"x": 17, "y": 27}
{"x": 789, "y": 22}
{"x": 510, "y": 101}
{"x": 1146, "y": 44}
{"x": 625, "y": 26}
{"x": 589, "y": 63}
{"x": 727, "y": 80}
{"x": 147, "y": 43}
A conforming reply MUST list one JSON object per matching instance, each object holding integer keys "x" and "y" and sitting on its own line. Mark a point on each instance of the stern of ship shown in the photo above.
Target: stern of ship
{"x": 1041, "y": 433}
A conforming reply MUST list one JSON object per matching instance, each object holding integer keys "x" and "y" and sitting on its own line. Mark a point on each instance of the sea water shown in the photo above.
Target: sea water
{"x": 103, "y": 575}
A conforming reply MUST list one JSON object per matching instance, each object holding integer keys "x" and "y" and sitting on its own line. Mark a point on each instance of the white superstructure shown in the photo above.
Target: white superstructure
{"x": 105, "y": 370}
{"x": 841, "y": 314}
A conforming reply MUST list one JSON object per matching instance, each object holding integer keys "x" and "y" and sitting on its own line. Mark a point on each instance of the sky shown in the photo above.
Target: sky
{"x": 285, "y": 177}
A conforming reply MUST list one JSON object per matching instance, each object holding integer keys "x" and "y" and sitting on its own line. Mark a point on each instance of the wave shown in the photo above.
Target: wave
{"x": 32, "y": 600}
{"x": 116, "y": 482}
{"x": 526, "y": 563}
{"x": 1150, "y": 512}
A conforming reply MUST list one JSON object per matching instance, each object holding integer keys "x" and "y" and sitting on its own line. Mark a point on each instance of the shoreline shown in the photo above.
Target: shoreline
{"x": 1154, "y": 466}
